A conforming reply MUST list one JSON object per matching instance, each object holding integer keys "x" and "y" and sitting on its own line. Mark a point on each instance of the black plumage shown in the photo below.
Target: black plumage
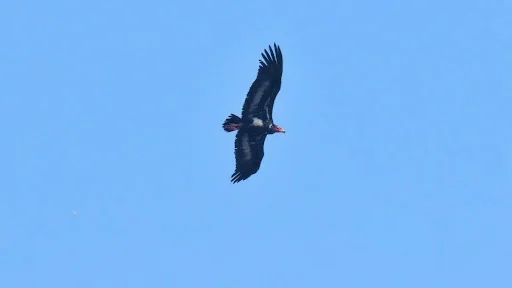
{"x": 256, "y": 121}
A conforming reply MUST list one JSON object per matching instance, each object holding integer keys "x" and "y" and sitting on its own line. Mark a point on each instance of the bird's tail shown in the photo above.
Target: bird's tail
{"x": 232, "y": 123}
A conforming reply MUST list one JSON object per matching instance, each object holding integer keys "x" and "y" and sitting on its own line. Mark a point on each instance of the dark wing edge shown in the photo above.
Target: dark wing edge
{"x": 249, "y": 152}
{"x": 279, "y": 60}
{"x": 265, "y": 88}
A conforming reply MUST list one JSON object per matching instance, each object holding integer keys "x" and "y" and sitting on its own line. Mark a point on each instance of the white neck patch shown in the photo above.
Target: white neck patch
{"x": 257, "y": 122}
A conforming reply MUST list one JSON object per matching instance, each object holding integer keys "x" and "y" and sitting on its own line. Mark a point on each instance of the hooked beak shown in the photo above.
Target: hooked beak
{"x": 278, "y": 129}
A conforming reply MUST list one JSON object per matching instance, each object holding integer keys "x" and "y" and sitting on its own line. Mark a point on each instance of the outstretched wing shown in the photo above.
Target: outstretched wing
{"x": 248, "y": 153}
{"x": 261, "y": 96}
{"x": 269, "y": 107}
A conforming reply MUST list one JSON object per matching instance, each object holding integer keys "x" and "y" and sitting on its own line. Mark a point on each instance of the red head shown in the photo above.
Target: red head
{"x": 278, "y": 129}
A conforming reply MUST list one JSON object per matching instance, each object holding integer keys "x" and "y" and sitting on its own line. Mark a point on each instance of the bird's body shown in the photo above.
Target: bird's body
{"x": 256, "y": 121}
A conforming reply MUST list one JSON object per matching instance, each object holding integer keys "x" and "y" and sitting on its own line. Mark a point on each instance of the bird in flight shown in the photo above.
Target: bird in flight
{"x": 256, "y": 121}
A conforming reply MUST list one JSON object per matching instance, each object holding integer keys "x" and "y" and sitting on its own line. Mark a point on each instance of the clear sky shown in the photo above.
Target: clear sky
{"x": 395, "y": 171}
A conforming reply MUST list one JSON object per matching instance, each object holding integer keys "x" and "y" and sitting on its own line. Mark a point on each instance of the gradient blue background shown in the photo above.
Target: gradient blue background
{"x": 395, "y": 170}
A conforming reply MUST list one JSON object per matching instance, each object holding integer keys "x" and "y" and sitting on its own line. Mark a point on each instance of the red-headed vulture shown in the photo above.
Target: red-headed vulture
{"x": 256, "y": 121}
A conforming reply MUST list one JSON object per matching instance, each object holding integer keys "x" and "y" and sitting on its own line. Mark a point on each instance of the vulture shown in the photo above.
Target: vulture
{"x": 256, "y": 121}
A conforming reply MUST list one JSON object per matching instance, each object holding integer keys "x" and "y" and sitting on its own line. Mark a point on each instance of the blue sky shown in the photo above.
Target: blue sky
{"x": 395, "y": 170}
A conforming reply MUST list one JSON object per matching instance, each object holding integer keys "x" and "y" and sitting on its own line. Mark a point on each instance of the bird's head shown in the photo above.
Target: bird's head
{"x": 277, "y": 129}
